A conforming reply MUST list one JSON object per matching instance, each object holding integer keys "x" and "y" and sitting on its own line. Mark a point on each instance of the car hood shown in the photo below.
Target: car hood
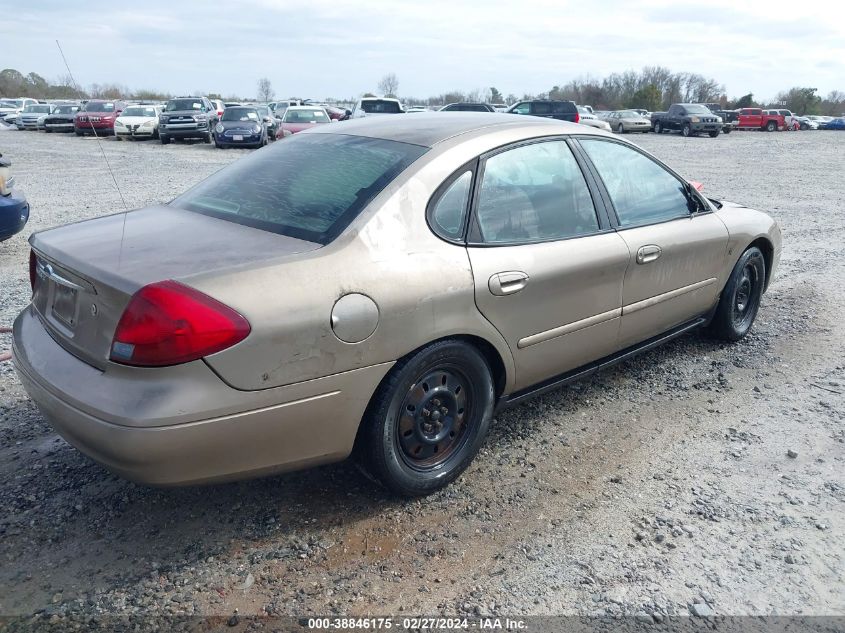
{"x": 136, "y": 120}
{"x": 152, "y": 245}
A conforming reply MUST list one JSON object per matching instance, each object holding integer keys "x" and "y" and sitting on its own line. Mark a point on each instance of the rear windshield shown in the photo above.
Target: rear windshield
{"x": 310, "y": 187}
{"x": 314, "y": 115}
{"x": 377, "y": 106}
{"x": 99, "y": 106}
{"x": 41, "y": 109}
{"x": 180, "y": 105}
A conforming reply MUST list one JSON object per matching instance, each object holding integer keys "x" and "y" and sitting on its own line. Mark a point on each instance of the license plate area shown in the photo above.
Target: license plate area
{"x": 63, "y": 307}
{"x": 237, "y": 137}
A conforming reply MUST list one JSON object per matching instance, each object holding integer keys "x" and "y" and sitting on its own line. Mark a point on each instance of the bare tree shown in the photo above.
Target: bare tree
{"x": 389, "y": 85}
{"x": 265, "y": 89}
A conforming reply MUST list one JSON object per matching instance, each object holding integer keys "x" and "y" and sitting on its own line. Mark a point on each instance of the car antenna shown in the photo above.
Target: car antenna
{"x": 105, "y": 158}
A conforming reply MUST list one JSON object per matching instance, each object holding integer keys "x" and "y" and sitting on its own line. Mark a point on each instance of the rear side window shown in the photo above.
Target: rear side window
{"x": 642, "y": 191}
{"x": 534, "y": 193}
{"x": 288, "y": 189}
{"x": 563, "y": 107}
{"x": 449, "y": 211}
{"x": 541, "y": 107}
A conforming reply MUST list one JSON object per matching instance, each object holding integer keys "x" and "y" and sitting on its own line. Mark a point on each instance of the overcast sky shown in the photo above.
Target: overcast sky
{"x": 341, "y": 48}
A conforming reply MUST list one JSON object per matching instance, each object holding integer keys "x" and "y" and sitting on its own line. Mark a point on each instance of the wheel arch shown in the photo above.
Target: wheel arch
{"x": 768, "y": 250}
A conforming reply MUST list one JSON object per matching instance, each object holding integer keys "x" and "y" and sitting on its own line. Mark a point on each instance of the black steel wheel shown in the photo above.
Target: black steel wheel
{"x": 740, "y": 299}
{"x": 427, "y": 419}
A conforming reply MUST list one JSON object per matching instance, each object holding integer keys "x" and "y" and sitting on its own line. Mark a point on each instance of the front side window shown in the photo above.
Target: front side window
{"x": 449, "y": 211}
{"x": 642, "y": 191}
{"x": 287, "y": 189}
{"x": 522, "y": 108}
{"x": 532, "y": 193}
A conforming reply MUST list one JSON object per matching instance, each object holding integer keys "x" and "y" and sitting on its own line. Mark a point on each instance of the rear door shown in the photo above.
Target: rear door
{"x": 548, "y": 267}
{"x": 676, "y": 251}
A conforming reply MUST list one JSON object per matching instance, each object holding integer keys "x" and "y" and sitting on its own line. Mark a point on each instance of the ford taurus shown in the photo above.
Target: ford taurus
{"x": 378, "y": 287}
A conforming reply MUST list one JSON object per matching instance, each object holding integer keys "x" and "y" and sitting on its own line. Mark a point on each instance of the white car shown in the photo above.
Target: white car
{"x": 376, "y": 106}
{"x": 585, "y": 117}
{"x": 137, "y": 121}
{"x": 11, "y": 108}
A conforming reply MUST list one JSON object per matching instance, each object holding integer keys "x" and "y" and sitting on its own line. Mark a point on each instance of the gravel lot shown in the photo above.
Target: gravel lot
{"x": 700, "y": 477}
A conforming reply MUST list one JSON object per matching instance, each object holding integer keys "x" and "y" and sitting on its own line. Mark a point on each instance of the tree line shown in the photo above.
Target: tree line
{"x": 653, "y": 88}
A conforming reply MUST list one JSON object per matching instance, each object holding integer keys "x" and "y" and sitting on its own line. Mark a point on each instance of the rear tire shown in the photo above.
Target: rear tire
{"x": 427, "y": 419}
{"x": 771, "y": 126}
{"x": 740, "y": 298}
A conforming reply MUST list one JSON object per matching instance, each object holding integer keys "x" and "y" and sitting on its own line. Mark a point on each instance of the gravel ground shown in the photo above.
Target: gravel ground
{"x": 697, "y": 478}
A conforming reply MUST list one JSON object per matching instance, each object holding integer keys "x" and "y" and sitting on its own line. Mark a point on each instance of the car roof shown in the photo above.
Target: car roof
{"x": 430, "y": 128}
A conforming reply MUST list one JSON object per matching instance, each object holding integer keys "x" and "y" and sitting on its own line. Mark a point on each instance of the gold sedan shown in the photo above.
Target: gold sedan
{"x": 382, "y": 286}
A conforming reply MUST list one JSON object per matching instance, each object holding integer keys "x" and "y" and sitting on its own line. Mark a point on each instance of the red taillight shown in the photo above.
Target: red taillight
{"x": 167, "y": 323}
{"x": 577, "y": 118}
{"x": 32, "y": 274}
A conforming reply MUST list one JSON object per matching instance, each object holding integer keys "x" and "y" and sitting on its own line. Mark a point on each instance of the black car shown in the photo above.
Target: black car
{"x": 549, "y": 108}
{"x": 467, "y": 107}
{"x": 270, "y": 120}
{"x": 240, "y": 126}
{"x": 61, "y": 120}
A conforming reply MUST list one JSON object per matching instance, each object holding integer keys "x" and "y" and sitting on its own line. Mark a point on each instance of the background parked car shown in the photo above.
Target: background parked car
{"x": 730, "y": 118}
{"x": 11, "y": 108}
{"x": 758, "y": 119}
{"x": 240, "y": 126}
{"x": 187, "y": 117}
{"x": 416, "y": 109}
{"x": 622, "y": 121}
{"x": 835, "y": 124}
{"x": 28, "y": 117}
{"x": 690, "y": 119}
{"x": 271, "y": 121}
{"x": 805, "y": 123}
{"x": 98, "y": 117}
{"x": 375, "y": 106}
{"x": 335, "y": 113}
{"x": 503, "y": 107}
{"x": 591, "y": 120}
{"x": 218, "y": 107}
{"x": 550, "y": 109}
{"x": 298, "y": 118}
{"x": 138, "y": 121}
{"x": 14, "y": 209}
{"x": 467, "y": 107}
{"x": 61, "y": 119}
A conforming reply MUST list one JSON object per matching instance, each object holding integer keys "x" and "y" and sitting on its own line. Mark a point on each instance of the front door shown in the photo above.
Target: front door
{"x": 676, "y": 253}
{"x": 548, "y": 270}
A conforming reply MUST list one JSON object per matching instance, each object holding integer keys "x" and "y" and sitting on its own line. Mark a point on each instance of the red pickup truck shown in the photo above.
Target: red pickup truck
{"x": 759, "y": 119}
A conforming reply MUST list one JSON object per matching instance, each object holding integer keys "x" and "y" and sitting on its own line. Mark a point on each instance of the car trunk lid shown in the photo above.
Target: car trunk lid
{"x": 86, "y": 272}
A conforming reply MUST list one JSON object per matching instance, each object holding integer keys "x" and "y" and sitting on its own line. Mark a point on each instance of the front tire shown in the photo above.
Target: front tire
{"x": 740, "y": 298}
{"x": 165, "y": 140}
{"x": 686, "y": 130}
{"x": 620, "y": 128}
{"x": 714, "y": 134}
{"x": 428, "y": 418}
{"x": 658, "y": 128}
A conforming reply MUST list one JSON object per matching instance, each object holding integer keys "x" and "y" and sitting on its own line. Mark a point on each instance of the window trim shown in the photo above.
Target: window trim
{"x": 470, "y": 166}
{"x": 473, "y": 235}
{"x": 706, "y": 207}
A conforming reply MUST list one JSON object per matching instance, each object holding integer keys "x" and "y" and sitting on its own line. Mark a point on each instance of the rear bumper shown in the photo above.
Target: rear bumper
{"x": 14, "y": 214}
{"x": 134, "y": 421}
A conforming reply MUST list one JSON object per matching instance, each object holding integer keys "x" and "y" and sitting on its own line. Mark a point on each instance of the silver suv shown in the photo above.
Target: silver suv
{"x": 187, "y": 117}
